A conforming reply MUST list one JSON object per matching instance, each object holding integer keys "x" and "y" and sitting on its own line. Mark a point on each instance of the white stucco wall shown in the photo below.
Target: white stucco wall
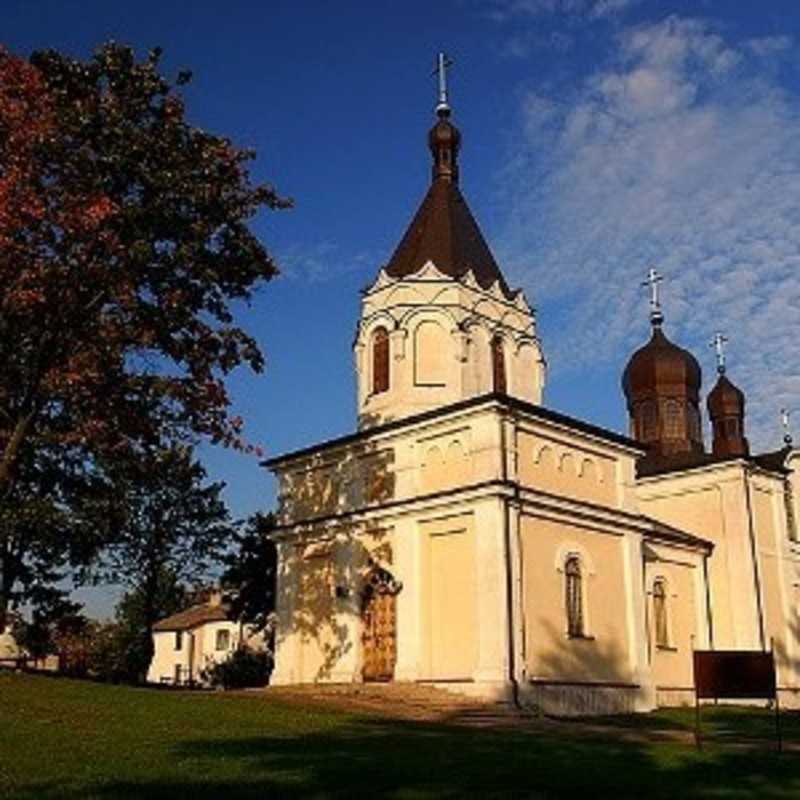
{"x": 198, "y": 652}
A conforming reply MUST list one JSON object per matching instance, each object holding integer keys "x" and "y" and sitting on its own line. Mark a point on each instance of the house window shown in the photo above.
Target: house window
{"x": 498, "y": 366}
{"x": 178, "y": 640}
{"x": 223, "y": 640}
{"x": 574, "y": 597}
{"x": 380, "y": 360}
{"x": 660, "y": 613}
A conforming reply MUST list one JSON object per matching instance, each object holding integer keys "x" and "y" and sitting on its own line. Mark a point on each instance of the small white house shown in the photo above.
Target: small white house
{"x": 10, "y": 652}
{"x": 187, "y": 643}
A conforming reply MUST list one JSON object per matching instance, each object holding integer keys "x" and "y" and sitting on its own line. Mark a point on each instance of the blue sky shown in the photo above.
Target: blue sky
{"x": 600, "y": 137}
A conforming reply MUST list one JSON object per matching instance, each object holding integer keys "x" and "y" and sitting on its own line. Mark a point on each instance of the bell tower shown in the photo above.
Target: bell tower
{"x": 440, "y": 324}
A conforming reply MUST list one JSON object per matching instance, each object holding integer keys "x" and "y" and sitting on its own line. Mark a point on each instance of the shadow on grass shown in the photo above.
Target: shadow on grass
{"x": 721, "y": 721}
{"x": 369, "y": 758}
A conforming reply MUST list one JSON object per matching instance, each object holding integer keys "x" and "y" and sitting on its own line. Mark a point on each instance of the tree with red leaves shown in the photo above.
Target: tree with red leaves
{"x": 123, "y": 243}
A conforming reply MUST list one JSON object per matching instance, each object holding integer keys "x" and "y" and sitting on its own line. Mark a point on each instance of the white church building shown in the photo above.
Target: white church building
{"x": 470, "y": 537}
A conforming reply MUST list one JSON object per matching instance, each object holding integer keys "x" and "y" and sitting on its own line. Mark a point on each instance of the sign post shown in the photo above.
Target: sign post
{"x": 735, "y": 675}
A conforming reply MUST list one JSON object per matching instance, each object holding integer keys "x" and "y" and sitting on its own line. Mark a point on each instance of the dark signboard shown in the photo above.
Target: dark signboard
{"x": 734, "y": 674}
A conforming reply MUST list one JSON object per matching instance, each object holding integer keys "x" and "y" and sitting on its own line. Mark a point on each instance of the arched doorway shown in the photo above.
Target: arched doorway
{"x": 379, "y": 625}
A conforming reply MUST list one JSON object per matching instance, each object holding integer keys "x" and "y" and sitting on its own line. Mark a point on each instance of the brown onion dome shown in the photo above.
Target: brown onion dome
{"x": 661, "y": 366}
{"x": 725, "y": 398}
{"x": 444, "y": 141}
{"x": 662, "y": 388}
{"x": 726, "y": 410}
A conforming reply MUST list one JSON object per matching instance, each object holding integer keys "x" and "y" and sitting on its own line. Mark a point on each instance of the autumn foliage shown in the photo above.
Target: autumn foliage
{"x": 123, "y": 243}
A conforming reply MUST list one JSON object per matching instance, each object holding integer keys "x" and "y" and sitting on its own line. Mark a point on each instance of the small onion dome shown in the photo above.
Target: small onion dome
{"x": 444, "y": 141}
{"x": 661, "y": 368}
{"x": 725, "y": 400}
{"x": 726, "y": 410}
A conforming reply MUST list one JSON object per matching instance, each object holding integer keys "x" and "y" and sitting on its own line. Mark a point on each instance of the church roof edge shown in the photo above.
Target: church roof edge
{"x": 512, "y": 403}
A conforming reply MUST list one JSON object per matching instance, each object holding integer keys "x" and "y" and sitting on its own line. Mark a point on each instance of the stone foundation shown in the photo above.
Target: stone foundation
{"x": 585, "y": 699}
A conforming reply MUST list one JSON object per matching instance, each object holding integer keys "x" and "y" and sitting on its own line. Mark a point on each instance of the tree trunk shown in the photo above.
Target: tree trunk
{"x": 12, "y": 450}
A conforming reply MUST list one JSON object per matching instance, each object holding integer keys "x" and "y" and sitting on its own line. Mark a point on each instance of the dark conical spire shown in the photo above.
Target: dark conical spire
{"x": 443, "y": 229}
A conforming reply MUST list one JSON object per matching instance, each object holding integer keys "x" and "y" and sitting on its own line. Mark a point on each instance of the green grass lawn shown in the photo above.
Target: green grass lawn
{"x": 69, "y": 739}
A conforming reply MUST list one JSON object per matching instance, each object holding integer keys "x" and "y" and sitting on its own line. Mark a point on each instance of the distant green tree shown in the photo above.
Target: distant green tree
{"x": 251, "y": 571}
{"x": 134, "y": 636}
{"x": 38, "y": 636}
{"x": 169, "y": 528}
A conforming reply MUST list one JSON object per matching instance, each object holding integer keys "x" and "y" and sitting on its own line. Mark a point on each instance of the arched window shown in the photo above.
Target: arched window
{"x": 380, "y": 360}
{"x": 498, "y": 366}
{"x": 574, "y": 596}
{"x": 660, "y": 613}
{"x": 649, "y": 416}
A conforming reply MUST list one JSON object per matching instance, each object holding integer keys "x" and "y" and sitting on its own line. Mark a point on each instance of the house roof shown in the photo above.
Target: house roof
{"x": 194, "y": 616}
{"x": 775, "y": 460}
{"x": 678, "y": 462}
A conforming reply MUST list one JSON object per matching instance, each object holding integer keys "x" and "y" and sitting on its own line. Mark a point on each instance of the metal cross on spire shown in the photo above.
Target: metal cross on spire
{"x": 443, "y": 63}
{"x": 787, "y": 433}
{"x": 718, "y": 343}
{"x": 653, "y": 279}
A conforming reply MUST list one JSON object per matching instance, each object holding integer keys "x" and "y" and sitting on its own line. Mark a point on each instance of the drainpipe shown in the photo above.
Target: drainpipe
{"x": 754, "y": 555}
{"x": 709, "y": 616}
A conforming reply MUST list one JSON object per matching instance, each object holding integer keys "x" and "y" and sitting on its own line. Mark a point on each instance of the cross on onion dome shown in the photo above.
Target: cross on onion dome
{"x": 787, "y": 433}
{"x": 443, "y": 63}
{"x": 653, "y": 279}
{"x": 718, "y": 343}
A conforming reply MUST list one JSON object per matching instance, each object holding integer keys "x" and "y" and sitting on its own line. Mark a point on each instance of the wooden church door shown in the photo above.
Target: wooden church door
{"x": 379, "y": 626}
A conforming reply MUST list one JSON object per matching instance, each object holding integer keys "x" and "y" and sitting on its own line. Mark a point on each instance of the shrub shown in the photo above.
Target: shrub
{"x": 244, "y": 667}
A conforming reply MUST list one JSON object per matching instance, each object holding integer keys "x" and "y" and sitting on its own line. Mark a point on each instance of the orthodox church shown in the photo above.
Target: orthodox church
{"x": 469, "y": 537}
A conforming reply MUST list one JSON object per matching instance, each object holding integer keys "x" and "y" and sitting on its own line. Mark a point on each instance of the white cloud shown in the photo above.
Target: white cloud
{"x": 317, "y": 262}
{"x": 683, "y": 152}
{"x": 504, "y": 10}
{"x": 770, "y": 45}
